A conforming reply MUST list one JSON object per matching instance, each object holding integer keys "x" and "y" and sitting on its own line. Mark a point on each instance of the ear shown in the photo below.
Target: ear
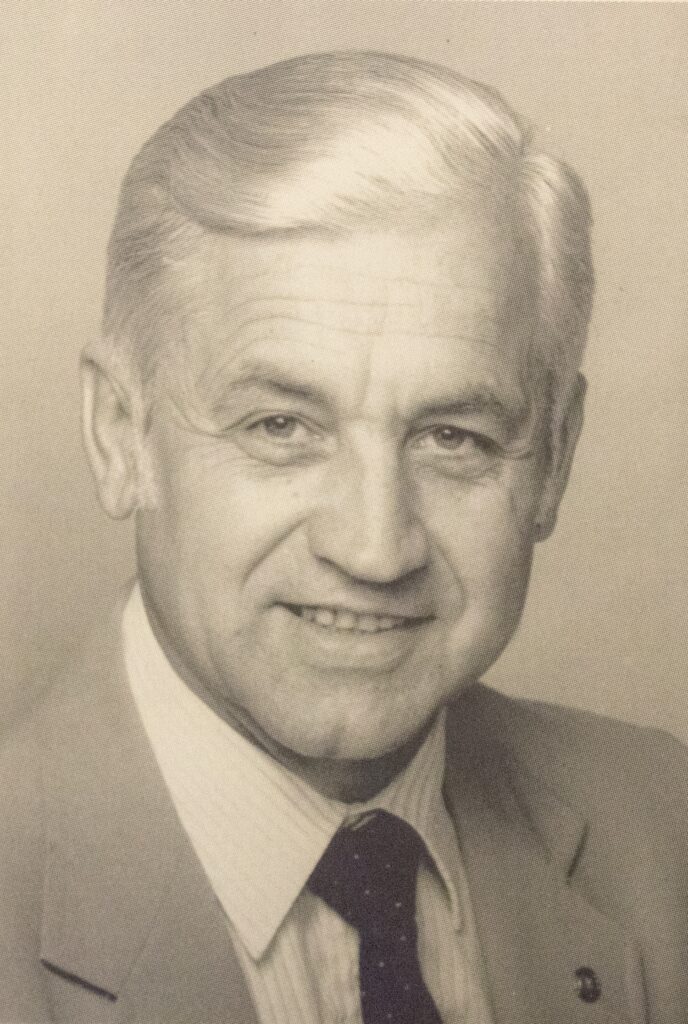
{"x": 562, "y": 449}
{"x": 109, "y": 438}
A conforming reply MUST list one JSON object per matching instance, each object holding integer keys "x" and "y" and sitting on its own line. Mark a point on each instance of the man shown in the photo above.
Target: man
{"x": 339, "y": 389}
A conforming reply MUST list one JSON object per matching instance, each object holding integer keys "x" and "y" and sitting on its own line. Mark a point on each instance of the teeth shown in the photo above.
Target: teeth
{"x": 345, "y": 620}
{"x": 349, "y": 621}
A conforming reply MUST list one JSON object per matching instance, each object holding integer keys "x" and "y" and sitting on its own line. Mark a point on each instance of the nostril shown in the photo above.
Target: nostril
{"x": 369, "y": 536}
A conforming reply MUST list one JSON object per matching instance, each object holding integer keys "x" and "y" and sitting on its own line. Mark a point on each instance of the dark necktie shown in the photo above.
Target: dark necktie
{"x": 368, "y": 875}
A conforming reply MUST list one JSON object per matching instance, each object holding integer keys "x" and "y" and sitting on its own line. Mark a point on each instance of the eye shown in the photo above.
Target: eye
{"x": 455, "y": 452}
{"x": 280, "y": 438}
{"x": 278, "y": 427}
{"x": 451, "y": 438}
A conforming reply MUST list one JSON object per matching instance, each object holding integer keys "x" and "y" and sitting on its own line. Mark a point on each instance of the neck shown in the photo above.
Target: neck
{"x": 348, "y": 781}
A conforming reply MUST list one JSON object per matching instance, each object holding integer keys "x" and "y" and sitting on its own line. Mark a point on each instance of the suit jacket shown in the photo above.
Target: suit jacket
{"x": 573, "y": 829}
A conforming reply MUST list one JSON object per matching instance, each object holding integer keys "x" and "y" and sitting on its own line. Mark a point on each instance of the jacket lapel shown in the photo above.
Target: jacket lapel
{"x": 128, "y": 912}
{"x": 520, "y": 846}
{"x": 130, "y": 916}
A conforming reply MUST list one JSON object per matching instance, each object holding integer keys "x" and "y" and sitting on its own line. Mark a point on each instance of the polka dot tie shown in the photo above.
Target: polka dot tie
{"x": 368, "y": 876}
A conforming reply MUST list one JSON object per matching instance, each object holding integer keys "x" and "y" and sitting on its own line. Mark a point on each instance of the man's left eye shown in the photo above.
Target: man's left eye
{"x": 451, "y": 438}
{"x": 456, "y": 451}
{"x": 454, "y": 439}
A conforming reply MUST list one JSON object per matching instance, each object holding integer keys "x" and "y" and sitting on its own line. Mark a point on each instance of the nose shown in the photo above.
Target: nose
{"x": 367, "y": 526}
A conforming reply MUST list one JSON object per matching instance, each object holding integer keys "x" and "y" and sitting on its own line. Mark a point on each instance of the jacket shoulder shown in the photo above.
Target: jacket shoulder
{"x": 22, "y": 839}
{"x": 23, "y": 846}
{"x": 579, "y": 743}
{"x": 608, "y": 770}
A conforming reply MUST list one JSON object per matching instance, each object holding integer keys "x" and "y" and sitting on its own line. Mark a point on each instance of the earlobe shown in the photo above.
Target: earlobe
{"x": 108, "y": 432}
{"x": 563, "y": 448}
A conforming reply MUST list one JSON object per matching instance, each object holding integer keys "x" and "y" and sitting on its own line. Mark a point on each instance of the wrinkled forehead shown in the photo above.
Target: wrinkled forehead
{"x": 408, "y": 298}
{"x": 478, "y": 257}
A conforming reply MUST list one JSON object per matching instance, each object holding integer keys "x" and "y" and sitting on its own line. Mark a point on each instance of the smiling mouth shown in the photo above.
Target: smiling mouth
{"x": 347, "y": 621}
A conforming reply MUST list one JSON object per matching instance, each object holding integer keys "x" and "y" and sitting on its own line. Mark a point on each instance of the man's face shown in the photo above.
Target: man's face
{"x": 349, "y": 470}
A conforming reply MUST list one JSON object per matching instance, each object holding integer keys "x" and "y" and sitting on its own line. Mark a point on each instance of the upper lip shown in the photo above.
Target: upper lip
{"x": 357, "y": 609}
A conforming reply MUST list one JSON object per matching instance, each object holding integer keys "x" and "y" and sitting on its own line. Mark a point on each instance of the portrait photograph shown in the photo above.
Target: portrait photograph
{"x": 344, "y": 492}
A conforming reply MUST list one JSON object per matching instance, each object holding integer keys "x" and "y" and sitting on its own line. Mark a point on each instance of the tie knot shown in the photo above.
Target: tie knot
{"x": 368, "y": 873}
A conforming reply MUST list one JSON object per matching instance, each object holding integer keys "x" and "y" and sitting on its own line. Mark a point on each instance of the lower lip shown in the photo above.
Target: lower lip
{"x": 347, "y": 649}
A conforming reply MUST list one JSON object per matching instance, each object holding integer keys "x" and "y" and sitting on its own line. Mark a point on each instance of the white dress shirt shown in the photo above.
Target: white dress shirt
{"x": 259, "y": 830}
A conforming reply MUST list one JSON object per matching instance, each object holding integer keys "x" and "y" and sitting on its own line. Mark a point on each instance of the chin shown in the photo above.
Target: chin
{"x": 366, "y": 737}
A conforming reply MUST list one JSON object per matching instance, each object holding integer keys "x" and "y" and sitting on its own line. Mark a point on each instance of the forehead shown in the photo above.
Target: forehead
{"x": 406, "y": 309}
{"x": 475, "y": 248}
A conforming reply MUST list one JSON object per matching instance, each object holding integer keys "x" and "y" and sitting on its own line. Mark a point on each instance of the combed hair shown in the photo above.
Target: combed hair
{"x": 332, "y": 143}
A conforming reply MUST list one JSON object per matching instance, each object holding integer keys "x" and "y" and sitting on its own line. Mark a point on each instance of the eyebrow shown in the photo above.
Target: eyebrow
{"x": 483, "y": 402}
{"x": 277, "y": 381}
{"x": 478, "y": 401}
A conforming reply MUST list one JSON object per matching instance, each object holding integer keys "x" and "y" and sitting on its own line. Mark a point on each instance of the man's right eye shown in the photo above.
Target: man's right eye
{"x": 279, "y": 427}
{"x": 279, "y": 438}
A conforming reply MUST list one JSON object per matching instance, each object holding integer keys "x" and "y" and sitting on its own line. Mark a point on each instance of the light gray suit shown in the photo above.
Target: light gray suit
{"x": 574, "y": 832}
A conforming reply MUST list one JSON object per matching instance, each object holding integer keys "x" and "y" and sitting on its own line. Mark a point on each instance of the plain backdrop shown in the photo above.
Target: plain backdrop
{"x": 84, "y": 82}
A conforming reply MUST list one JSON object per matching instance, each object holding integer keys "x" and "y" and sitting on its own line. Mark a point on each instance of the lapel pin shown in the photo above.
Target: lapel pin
{"x": 588, "y": 985}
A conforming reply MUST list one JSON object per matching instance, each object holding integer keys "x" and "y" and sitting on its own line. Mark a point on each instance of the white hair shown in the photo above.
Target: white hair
{"x": 337, "y": 142}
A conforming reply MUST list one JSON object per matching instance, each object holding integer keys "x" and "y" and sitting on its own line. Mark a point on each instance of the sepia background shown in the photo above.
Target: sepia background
{"x": 85, "y": 82}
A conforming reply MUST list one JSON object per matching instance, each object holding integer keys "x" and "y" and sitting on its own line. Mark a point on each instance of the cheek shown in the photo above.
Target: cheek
{"x": 223, "y": 523}
{"x": 484, "y": 535}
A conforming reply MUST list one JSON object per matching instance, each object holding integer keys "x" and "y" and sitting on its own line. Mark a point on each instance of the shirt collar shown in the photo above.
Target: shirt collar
{"x": 258, "y": 829}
